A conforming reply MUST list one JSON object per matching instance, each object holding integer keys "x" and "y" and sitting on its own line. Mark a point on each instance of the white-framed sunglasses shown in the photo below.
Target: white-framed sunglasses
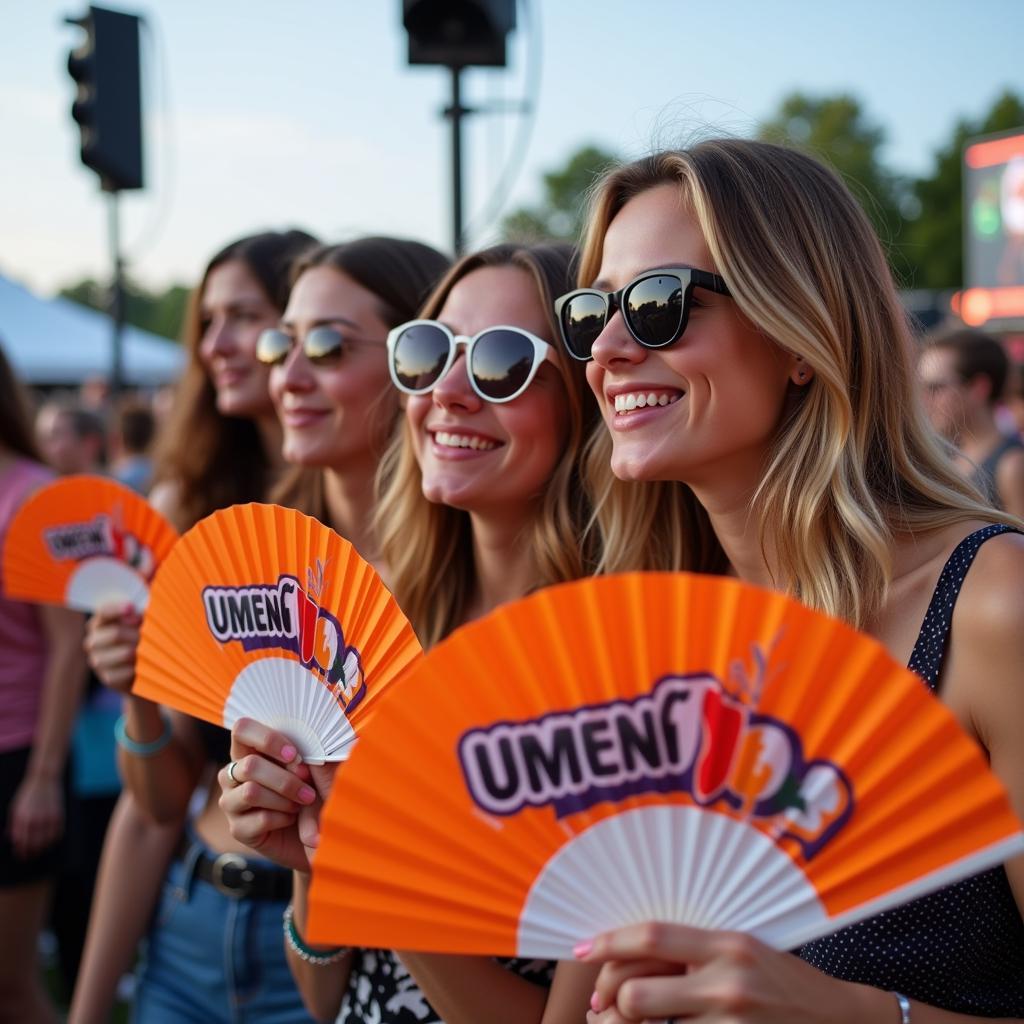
{"x": 501, "y": 361}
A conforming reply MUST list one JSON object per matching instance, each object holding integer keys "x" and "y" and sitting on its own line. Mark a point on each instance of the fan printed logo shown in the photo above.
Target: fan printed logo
{"x": 101, "y": 536}
{"x": 287, "y": 616}
{"x": 687, "y": 735}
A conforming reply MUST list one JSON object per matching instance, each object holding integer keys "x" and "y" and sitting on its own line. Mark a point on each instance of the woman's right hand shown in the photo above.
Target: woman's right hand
{"x": 273, "y": 800}
{"x": 111, "y": 640}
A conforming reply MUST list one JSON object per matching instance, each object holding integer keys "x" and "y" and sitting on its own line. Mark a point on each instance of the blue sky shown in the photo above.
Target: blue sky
{"x": 265, "y": 114}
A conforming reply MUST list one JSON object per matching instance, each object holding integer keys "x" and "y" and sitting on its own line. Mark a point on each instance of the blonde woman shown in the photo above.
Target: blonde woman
{"x": 753, "y": 367}
{"x": 481, "y": 505}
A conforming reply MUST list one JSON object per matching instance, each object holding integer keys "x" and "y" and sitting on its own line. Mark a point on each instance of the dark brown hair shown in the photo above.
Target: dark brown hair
{"x": 216, "y": 460}
{"x": 15, "y": 418}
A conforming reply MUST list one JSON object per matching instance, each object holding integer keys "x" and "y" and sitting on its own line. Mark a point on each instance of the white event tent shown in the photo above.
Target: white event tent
{"x": 59, "y": 342}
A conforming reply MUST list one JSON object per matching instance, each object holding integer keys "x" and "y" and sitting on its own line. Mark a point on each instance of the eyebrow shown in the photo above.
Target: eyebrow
{"x": 602, "y": 286}
{"x": 324, "y": 321}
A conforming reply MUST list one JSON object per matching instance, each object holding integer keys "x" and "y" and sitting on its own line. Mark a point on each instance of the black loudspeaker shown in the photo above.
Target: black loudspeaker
{"x": 458, "y": 33}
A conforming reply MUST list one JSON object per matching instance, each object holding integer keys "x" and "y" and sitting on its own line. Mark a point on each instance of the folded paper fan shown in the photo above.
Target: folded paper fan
{"x": 85, "y": 541}
{"x": 649, "y": 747}
{"x": 264, "y": 612}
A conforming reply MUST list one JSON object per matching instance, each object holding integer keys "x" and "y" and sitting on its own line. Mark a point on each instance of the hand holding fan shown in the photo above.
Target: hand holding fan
{"x": 264, "y": 612}
{"x": 85, "y": 541}
{"x": 649, "y": 747}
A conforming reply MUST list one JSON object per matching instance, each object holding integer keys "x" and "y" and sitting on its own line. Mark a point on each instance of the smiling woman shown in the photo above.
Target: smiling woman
{"x": 329, "y": 376}
{"x": 792, "y": 451}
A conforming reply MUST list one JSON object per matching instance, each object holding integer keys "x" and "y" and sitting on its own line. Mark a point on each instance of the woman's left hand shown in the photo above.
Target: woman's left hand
{"x": 656, "y": 972}
{"x": 36, "y": 815}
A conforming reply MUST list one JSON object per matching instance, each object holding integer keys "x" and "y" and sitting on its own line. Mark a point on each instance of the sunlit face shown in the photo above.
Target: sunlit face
{"x": 234, "y": 310}
{"x": 945, "y": 393}
{"x": 725, "y": 383}
{"x": 337, "y": 415}
{"x": 513, "y": 447}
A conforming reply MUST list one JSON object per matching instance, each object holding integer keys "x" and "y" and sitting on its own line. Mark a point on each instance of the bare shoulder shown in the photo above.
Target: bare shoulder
{"x": 986, "y": 653}
{"x": 992, "y": 595}
{"x": 165, "y": 497}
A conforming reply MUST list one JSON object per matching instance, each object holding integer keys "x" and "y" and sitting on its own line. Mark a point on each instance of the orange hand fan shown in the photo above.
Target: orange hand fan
{"x": 264, "y": 612}
{"x": 85, "y": 541}
{"x": 649, "y": 747}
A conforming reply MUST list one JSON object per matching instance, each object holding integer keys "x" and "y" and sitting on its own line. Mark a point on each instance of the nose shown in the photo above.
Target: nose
{"x": 615, "y": 345}
{"x": 453, "y": 390}
{"x": 295, "y": 373}
{"x": 218, "y": 339}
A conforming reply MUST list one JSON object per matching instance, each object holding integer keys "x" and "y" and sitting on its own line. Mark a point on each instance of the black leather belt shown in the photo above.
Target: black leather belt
{"x": 238, "y": 876}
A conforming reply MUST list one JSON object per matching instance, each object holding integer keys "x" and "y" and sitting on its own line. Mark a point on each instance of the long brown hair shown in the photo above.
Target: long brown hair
{"x": 16, "y": 434}
{"x": 400, "y": 273}
{"x": 427, "y": 547}
{"x": 215, "y": 460}
{"x": 855, "y": 462}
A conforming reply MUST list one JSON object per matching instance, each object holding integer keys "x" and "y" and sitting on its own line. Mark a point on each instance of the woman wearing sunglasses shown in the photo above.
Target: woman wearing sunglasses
{"x": 208, "y": 949}
{"x": 329, "y": 375}
{"x": 753, "y": 367}
{"x": 481, "y": 505}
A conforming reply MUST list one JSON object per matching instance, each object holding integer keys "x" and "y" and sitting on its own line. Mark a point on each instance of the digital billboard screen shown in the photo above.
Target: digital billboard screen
{"x": 994, "y": 231}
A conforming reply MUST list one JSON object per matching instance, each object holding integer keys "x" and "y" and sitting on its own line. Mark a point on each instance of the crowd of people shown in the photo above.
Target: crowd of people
{"x": 721, "y": 379}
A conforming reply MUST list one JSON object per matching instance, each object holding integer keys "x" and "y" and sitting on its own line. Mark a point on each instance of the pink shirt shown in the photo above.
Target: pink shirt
{"x": 22, "y": 640}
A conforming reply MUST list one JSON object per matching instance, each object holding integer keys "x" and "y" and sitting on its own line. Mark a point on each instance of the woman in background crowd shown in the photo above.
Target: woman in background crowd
{"x": 41, "y": 678}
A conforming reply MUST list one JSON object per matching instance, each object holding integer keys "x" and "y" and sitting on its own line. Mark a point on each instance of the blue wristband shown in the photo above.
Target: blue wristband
{"x": 125, "y": 742}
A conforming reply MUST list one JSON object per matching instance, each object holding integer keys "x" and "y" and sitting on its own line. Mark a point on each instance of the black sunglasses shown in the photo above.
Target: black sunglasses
{"x": 322, "y": 346}
{"x": 655, "y": 307}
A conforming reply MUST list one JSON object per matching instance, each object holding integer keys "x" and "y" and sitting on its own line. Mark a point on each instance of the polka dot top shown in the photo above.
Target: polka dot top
{"x": 961, "y": 948}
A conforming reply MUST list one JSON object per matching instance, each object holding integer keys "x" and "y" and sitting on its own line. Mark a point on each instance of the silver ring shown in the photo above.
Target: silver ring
{"x": 231, "y": 773}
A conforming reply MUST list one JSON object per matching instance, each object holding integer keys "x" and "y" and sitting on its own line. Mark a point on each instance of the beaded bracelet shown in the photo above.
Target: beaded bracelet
{"x": 125, "y": 742}
{"x": 304, "y": 952}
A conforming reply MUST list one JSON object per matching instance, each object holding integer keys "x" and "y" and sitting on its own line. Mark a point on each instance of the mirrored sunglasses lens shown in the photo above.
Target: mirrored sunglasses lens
{"x": 501, "y": 363}
{"x": 583, "y": 320}
{"x": 272, "y": 346}
{"x": 323, "y": 345}
{"x": 419, "y": 356}
{"x": 654, "y": 308}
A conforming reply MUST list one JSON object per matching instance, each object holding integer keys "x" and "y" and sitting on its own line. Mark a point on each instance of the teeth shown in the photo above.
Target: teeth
{"x": 642, "y": 399}
{"x": 464, "y": 441}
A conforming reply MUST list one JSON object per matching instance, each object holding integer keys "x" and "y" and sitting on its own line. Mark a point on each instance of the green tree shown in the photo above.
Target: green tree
{"x": 837, "y": 130}
{"x": 160, "y": 313}
{"x": 934, "y": 234}
{"x": 560, "y": 214}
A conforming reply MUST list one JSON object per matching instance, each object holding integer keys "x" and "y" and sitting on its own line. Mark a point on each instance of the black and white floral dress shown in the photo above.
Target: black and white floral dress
{"x": 381, "y": 991}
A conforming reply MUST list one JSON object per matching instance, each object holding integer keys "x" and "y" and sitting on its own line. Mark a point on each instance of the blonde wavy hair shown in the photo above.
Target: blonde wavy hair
{"x": 855, "y": 461}
{"x": 428, "y": 547}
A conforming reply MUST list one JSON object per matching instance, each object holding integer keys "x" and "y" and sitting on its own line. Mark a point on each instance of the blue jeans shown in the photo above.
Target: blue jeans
{"x": 213, "y": 959}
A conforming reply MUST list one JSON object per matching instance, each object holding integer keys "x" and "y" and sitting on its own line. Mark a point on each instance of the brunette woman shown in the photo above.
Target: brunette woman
{"x": 211, "y": 947}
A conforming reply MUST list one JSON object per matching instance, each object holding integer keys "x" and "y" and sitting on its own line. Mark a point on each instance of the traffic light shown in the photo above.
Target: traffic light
{"x": 458, "y": 33}
{"x": 108, "y": 105}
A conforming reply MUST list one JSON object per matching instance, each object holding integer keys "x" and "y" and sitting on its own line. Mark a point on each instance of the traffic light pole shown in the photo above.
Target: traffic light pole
{"x": 115, "y": 304}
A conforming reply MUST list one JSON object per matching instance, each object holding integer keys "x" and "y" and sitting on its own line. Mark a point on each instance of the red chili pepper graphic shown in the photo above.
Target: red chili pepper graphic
{"x": 723, "y": 722}
{"x": 308, "y": 612}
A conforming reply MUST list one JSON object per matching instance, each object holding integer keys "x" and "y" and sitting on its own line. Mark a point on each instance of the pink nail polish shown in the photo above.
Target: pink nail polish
{"x": 288, "y": 752}
{"x": 595, "y": 1002}
{"x": 581, "y": 949}
{"x": 307, "y": 795}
